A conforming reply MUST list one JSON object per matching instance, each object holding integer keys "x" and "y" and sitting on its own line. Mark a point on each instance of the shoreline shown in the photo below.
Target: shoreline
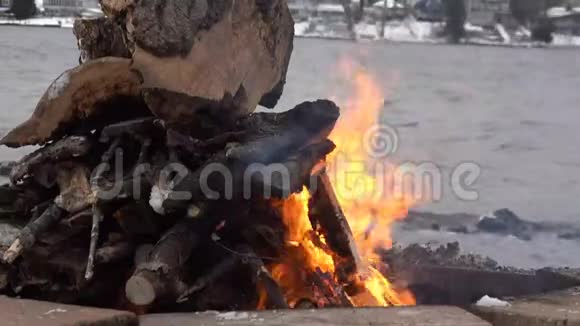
{"x": 68, "y": 22}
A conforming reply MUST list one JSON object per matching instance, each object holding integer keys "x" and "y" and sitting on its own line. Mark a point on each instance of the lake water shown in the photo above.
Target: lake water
{"x": 513, "y": 111}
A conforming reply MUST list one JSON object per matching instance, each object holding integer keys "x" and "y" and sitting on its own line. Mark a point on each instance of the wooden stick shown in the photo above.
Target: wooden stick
{"x": 97, "y": 219}
{"x": 27, "y": 237}
{"x": 325, "y": 212}
{"x": 97, "y": 213}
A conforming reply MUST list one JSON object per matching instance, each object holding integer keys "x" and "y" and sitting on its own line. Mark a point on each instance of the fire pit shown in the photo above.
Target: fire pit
{"x": 156, "y": 189}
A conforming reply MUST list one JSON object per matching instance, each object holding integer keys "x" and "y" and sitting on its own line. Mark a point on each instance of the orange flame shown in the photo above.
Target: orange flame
{"x": 361, "y": 192}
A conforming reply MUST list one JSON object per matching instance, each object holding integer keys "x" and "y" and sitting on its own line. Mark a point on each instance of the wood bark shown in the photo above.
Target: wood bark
{"x": 220, "y": 55}
{"x": 99, "y": 37}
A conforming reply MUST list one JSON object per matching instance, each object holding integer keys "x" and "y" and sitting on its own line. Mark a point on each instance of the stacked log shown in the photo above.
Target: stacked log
{"x": 150, "y": 190}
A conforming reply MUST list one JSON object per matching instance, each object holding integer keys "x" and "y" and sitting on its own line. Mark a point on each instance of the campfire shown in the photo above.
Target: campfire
{"x": 157, "y": 188}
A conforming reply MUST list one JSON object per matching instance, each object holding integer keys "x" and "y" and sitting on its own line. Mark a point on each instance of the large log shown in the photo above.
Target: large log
{"x": 221, "y": 55}
{"x": 328, "y": 218}
{"x": 156, "y": 279}
{"x": 81, "y": 95}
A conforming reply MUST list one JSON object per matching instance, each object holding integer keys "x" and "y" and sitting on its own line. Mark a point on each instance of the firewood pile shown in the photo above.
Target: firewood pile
{"x": 153, "y": 184}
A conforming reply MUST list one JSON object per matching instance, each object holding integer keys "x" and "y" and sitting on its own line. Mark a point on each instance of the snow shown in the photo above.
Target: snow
{"x": 41, "y": 21}
{"x": 301, "y": 28}
{"x": 329, "y": 7}
{"x": 487, "y": 301}
{"x": 233, "y": 315}
{"x": 390, "y": 4}
{"x": 566, "y": 40}
{"x": 556, "y": 12}
{"x": 53, "y": 311}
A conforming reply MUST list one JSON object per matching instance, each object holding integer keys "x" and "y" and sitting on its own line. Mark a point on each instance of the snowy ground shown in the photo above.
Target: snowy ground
{"x": 66, "y": 22}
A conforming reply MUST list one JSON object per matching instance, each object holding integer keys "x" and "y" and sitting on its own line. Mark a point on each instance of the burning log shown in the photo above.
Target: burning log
{"x": 263, "y": 279}
{"x": 328, "y": 218}
{"x": 328, "y": 292}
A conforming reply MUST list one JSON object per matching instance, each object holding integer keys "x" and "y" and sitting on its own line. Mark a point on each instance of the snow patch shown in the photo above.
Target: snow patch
{"x": 54, "y": 311}
{"x": 487, "y": 301}
{"x": 233, "y": 315}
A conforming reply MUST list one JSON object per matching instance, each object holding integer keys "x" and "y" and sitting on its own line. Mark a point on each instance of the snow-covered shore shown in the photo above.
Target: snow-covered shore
{"x": 407, "y": 30}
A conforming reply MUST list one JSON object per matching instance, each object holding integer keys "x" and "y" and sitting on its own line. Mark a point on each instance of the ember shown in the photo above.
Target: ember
{"x": 156, "y": 188}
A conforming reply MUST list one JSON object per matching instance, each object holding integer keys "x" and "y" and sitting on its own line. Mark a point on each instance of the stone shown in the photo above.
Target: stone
{"x": 406, "y": 316}
{"x": 553, "y": 309}
{"x": 19, "y": 312}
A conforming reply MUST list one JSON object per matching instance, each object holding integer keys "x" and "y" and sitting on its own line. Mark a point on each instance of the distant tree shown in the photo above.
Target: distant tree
{"x": 360, "y": 10}
{"x": 543, "y": 30}
{"x": 23, "y": 9}
{"x": 455, "y": 16}
{"x": 346, "y": 4}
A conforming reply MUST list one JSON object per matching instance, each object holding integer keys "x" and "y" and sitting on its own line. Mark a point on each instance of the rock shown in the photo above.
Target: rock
{"x": 19, "y": 312}
{"x": 552, "y": 309}
{"x": 409, "y": 316}
{"x": 505, "y": 222}
{"x": 570, "y": 235}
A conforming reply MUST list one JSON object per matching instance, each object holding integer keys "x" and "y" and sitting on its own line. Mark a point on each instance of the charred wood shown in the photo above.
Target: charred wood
{"x": 328, "y": 218}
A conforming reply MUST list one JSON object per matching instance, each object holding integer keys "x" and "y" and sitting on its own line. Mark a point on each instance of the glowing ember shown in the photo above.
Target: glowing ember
{"x": 361, "y": 191}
